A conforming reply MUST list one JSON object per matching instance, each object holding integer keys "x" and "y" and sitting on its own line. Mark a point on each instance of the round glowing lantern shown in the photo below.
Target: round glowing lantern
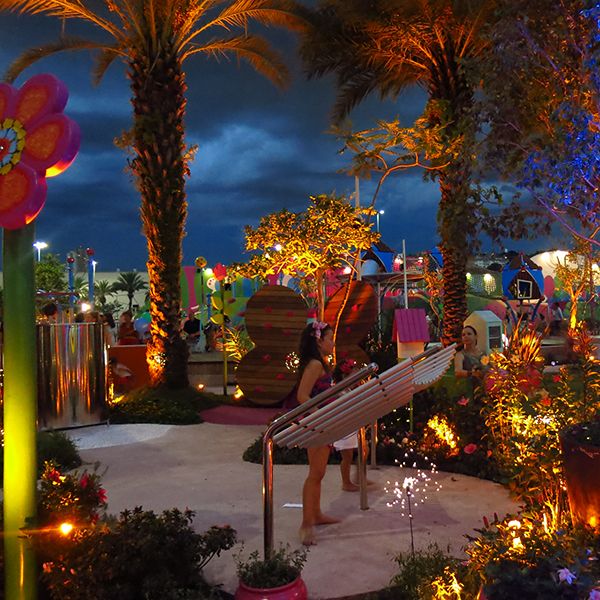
{"x": 36, "y": 141}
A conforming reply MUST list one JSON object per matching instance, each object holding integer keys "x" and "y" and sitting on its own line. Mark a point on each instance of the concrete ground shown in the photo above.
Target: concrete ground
{"x": 200, "y": 467}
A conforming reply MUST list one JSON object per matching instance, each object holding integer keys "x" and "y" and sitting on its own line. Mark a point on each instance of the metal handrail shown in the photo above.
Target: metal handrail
{"x": 280, "y": 423}
{"x": 396, "y": 378}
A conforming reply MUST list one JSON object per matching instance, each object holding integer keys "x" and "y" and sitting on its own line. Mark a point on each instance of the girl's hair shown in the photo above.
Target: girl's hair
{"x": 471, "y": 328}
{"x": 108, "y": 318}
{"x": 309, "y": 349}
{"x": 343, "y": 369}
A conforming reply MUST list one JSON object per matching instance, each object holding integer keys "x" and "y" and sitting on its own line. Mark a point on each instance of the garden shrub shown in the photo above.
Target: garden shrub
{"x": 161, "y": 405}
{"x": 55, "y": 447}
{"x": 524, "y": 558}
{"x": 143, "y": 556}
{"x": 418, "y": 570}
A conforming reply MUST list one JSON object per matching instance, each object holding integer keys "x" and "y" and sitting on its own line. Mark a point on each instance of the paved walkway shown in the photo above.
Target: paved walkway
{"x": 200, "y": 467}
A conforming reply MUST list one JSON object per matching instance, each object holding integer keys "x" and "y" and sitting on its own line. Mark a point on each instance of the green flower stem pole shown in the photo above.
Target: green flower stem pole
{"x": 20, "y": 412}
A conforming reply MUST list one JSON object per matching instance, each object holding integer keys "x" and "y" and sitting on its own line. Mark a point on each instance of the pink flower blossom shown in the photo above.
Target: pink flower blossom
{"x": 470, "y": 448}
{"x": 463, "y": 401}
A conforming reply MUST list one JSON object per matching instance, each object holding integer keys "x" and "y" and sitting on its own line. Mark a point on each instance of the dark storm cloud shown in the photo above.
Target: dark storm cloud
{"x": 260, "y": 149}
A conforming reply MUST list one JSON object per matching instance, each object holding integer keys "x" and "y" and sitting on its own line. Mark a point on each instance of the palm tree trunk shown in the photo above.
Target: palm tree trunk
{"x": 158, "y": 98}
{"x": 454, "y": 186}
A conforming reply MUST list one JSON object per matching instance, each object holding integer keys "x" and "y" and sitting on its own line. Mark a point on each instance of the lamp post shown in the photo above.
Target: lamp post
{"x": 379, "y": 212}
{"x": 39, "y": 246}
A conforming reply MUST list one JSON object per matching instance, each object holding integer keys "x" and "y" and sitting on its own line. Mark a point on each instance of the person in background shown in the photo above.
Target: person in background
{"x": 192, "y": 329}
{"x": 108, "y": 325}
{"x": 467, "y": 361}
{"x": 127, "y": 335}
{"x": 314, "y": 377}
{"x": 349, "y": 443}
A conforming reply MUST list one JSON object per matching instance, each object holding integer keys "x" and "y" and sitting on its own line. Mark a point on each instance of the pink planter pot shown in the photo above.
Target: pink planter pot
{"x": 296, "y": 590}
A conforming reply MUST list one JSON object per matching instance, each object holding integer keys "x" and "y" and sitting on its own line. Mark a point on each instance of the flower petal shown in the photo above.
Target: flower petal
{"x": 7, "y": 100}
{"x": 22, "y": 196}
{"x": 51, "y": 144}
{"x": 40, "y": 96}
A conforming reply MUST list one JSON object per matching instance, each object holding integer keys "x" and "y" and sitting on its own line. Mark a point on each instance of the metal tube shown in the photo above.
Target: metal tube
{"x": 278, "y": 424}
{"x": 374, "y": 429}
{"x": 267, "y": 491}
{"x": 362, "y": 469}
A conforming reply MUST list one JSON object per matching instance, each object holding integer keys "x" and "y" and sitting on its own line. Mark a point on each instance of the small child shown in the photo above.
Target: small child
{"x": 349, "y": 443}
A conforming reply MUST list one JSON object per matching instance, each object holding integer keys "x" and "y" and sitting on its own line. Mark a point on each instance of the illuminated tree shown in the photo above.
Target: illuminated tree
{"x": 385, "y": 46}
{"x": 153, "y": 39}
{"x": 542, "y": 93}
{"x": 308, "y": 244}
{"x": 576, "y": 275}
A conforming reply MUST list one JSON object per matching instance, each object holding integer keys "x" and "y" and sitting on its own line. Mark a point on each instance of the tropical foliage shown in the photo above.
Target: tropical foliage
{"x": 308, "y": 244}
{"x": 154, "y": 39}
{"x": 541, "y": 86}
{"x": 385, "y": 46}
{"x": 130, "y": 283}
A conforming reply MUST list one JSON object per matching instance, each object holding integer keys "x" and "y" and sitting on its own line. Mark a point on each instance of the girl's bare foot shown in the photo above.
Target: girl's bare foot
{"x": 350, "y": 487}
{"x": 323, "y": 519}
{"x": 307, "y": 536}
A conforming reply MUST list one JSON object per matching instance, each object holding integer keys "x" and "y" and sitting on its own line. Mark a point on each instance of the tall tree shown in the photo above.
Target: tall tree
{"x": 130, "y": 283}
{"x": 387, "y": 45}
{"x": 102, "y": 291}
{"x": 540, "y": 103}
{"x": 307, "y": 244}
{"x": 154, "y": 38}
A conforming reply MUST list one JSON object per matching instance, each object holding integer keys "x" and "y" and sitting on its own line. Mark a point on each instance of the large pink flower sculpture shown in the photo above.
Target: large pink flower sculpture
{"x": 36, "y": 141}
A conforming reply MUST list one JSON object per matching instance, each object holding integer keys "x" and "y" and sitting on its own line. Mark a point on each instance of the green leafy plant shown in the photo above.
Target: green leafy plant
{"x": 141, "y": 555}
{"x": 53, "y": 446}
{"x": 160, "y": 405}
{"x": 418, "y": 570}
{"x": 522, "y": 557}
{"x": 282, "y": 567}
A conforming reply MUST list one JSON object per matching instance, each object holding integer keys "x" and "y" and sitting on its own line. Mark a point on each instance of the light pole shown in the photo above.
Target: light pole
{"x": 39, "y": 246}
{"x": 379, "y": 212}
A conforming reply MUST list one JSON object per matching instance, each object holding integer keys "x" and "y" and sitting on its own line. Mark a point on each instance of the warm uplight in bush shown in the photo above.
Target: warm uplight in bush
{"x": 443, "y": 430}
{"x": 238, "y": 393}
{"x": 65, "y": 528}
{"x": 200, "y": 387}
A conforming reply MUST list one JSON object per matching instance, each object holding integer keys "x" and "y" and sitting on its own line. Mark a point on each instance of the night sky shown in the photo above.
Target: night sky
{"x": 260, "y": 150}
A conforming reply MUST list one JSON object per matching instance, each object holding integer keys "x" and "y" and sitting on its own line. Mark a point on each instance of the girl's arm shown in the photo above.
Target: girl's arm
{"x": 312, "y": 372}
{"x": 458, "y": 366}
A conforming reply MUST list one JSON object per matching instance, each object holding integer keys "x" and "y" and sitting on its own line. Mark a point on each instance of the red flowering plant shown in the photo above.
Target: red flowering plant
{"x": 524, "y": 412}
{"x": 76, "y": 498}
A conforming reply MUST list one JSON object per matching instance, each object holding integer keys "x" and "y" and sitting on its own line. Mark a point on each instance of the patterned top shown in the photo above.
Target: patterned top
{"x": 321, "y": 384}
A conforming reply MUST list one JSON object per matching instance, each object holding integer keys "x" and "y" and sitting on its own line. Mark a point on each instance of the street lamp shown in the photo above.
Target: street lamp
{"x": 39, "y": 246}
{"x": 379, "y": 212}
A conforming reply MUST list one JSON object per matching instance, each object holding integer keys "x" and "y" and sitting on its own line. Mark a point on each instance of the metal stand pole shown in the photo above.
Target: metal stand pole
{"x": 267, "y": 491}
{"x": 362, "y": 468}
{"x": 374, "y": 430}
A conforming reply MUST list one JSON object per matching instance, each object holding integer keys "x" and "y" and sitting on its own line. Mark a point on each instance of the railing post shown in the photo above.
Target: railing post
{"x": 362, "y": 468}
{"x": 268, "y": 493}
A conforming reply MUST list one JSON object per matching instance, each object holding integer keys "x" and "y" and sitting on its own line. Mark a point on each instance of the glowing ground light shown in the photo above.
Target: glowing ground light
{"x": 65, "y": 528}
{"x": 413, "y": 490}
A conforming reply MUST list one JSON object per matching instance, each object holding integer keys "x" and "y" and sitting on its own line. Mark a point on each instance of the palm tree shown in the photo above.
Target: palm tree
{"x": 102, "y": 290}
{"x": 154, "y": 38}
{"x": 130, "y": 283}
{"x": 387, "y": 45}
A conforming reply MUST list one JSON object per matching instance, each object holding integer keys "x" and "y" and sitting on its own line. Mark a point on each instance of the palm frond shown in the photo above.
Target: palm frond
{"x": 34, "y": 54}
{"x": 104, "y": 59}
{"x": 253, "y": 49}
{"x": 64, "y": 9}
{"x": 285, "y": 13}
